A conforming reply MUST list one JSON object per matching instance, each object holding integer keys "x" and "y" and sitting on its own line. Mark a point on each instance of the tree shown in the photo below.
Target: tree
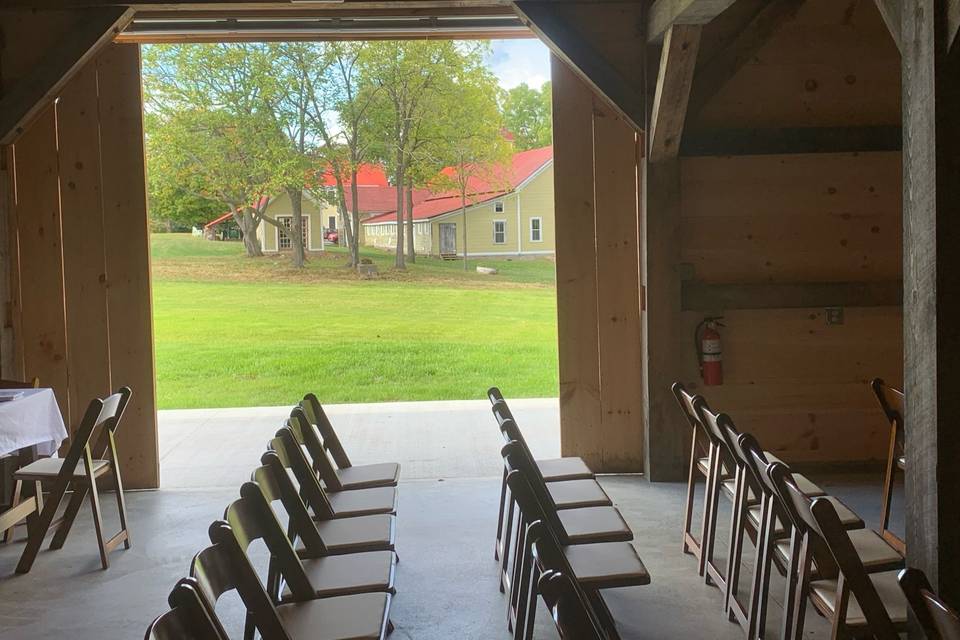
{"x": 528, "y": 115}
{"x": 214, "y": 132}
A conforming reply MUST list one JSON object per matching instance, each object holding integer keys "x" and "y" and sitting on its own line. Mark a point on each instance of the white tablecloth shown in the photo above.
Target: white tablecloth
{"x": 31, "y": 420}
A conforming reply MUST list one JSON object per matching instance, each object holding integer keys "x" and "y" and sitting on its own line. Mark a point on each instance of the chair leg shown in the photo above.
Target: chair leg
{"x": 708, "y": 506}
{"x": 794, "y": 630}
{"x": 507, "y": 539}
{"x": 710, "y": 537}
{"x": 521, "y": 556}
{"x": 503, "y": 499}
{"x": 98, "y": 522}
{"x": 9, "y": 533}
{"x": 73, "y": 508}
{"x": 38, "y": 494}
{"x": 37, "y": 525}
{"x": 760, "y": 595}
{"x": 688, "y": 506}
{"x": 122, "y": 506}
{"x": 529, "y": 620}
{"x": 735, "y": 550}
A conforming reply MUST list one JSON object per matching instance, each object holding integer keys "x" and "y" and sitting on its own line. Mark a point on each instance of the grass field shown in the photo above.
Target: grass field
{"x": 233, "y": 331}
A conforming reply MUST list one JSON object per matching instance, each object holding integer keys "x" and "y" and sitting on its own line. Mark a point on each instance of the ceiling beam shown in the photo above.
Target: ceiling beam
{"x": 734, "y": 39}
{"x": 614, "y": 76}
{"x": 678, "y": 59}
{"x": 32, "y": 93}
{"x": 890, "y": 11}
{"x": 239, "y": 5}
{"x": 665, "y": 13}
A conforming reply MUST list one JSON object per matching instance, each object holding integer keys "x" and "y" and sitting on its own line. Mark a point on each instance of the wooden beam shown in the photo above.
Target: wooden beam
{"x": 890, "y": 11}
{"x": 701, "y": 296}
{"x": 667, "y": 13}
{"x": 678, "y": 59}
{"x": 127, "y": 241}
{"x": 578, "y": 345}
{"x": 733, "y": 40}
{"x": 8, "y": 367}
{"x": 790, "y": 140}
{"x": 931, "y": 272}
{"x": 33, "y": 92}
{"x": 613, "y": 77}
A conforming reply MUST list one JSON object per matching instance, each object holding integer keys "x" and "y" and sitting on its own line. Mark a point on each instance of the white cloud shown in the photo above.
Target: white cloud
{"x": 517, "y": 61}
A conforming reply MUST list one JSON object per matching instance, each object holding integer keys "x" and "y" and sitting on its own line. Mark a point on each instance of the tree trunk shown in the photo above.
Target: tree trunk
{"x": 354, "y": 224}
{"x": 248, "y": 231}
{"x": 296, "y": 233}
{"x": 463, "y": 212}
{"x": 399, "y": 261}
{"x": 411, "y": 247}
{"x": 344, "y": 217}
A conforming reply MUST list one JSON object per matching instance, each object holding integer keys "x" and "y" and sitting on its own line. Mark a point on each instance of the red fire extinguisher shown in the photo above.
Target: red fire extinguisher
{"x": 709, "y": 350}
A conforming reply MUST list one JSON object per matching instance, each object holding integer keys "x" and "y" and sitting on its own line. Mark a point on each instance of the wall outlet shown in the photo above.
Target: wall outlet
{"x": 834, "y": 315}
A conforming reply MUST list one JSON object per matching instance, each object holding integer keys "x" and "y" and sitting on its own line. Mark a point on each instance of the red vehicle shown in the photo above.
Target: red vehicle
{"x": 331, "y": 235}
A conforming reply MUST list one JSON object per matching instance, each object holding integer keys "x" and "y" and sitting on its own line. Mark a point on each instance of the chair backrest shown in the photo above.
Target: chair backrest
{"x": 713, "y": 423}
{"x": 531, "y": 493}
{"x": 511, "y": 433}
{"x": 20, "y": 384}
{"x": 494, "y": 395}
{"x": 891, "y": 402}
{"x": 252, "y": 518}
{"x": 938, "y": 620}
{"x": 571, "y": 613}
{"x": 291, "y": 455}
{"x": 501, "y": 412}
{"x": 102, "y": 414}
{"x": 687, "y": 402}
{"x": 306, "y": 434}
{"x": 276, "y": 485}
{"x": 853, "y": 575}
{"x": 224, "y": 567}
{"x": 331, "y": 441}
{"x": 187, "y": 619}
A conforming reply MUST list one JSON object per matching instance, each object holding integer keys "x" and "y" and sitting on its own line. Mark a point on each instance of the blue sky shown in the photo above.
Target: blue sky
{"x": 516, "y": 61}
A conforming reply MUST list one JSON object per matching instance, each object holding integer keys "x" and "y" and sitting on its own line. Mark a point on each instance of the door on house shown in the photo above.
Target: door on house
{"x": 448, "y": 239}
{"x": 284, "y": 234}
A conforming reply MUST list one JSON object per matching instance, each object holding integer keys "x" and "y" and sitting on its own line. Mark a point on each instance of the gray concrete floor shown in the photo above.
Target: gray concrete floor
{"x": 447, "y": 579}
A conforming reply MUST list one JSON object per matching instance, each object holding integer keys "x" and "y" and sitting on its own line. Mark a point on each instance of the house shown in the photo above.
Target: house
{"x": 509, "y": 213}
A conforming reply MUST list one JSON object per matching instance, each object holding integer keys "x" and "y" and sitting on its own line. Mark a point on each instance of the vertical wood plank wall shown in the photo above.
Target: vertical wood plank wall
{"x": 598, "y": 308}
{"x": 79, "y": 254}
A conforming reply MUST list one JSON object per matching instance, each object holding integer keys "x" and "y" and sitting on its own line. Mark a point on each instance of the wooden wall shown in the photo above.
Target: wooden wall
{"x": 797, "y": 382}
{"x": 598, "y": 272}
{"x": 79, "y": 303}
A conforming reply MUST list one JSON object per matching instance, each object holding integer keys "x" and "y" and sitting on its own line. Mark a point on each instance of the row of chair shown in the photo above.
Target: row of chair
{"x": 330, "y": 574}
{"x": 557, "y": 523}
{"x": 847, "y": 572}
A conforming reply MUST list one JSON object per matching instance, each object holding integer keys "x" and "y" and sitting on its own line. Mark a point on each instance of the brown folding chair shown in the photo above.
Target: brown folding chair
{"x": 594, "y": 566}
{"x": 700, "y": 453}
{"x": 571, "y": 614}
{"x": 78, "y": 472}
{"x": 384, "y": 474}
{"x": 938, "y": 620}
{"x": 224, "y": 567}
{"x": 891, "y": 402}
{"x": 187, "y": 618}
{"x": 814, "y": 573}
{"x": 571, "y": 470}
{"x": 338, "y": 535}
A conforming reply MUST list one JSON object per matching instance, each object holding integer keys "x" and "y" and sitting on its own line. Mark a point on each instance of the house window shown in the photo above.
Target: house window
{"x": 499, "y": 231}
{"x": 283, "y": 235}
{"x": 498, "y": 206}
{"x": 332, "y": 223}
{"x": 536, "y": 229}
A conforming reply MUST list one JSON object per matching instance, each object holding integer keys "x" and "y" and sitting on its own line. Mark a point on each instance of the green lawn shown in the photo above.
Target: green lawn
{"x": 233, "y": 331}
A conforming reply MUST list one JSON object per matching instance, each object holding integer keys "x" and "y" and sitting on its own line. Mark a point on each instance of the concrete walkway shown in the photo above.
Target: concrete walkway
{"x": 216, "y": 448}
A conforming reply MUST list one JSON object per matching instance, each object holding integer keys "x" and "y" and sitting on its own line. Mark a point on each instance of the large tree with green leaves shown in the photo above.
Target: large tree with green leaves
{"x": 528, "y": 115}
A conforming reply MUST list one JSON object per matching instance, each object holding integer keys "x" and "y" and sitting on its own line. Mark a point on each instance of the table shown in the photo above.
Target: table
{"x": 33, "y": 420}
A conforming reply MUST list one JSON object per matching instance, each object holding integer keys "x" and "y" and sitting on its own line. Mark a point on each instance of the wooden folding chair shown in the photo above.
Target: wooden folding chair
{"x": 224, "y": 567}
{"x": 384, "y": 474}
{"x": 938, "y": 620}
{"x": 812, "y": 569}
{"x": 187, "y": 618}
{"x": 78, "y": 472}
{"x": 571, "y": 614}
{"x": 891, "y": 402}
{"x": 699, "y": 466}
{"x": 338, "y": 535}
{"x": 594, "y": 566}
{"x": 570, "y": 469}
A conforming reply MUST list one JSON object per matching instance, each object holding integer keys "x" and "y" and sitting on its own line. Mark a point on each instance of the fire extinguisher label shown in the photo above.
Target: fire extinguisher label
{"x": 711, "y": 350}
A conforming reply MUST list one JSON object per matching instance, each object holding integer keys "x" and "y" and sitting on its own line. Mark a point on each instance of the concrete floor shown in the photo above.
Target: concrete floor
{"x": 447, "y": 580}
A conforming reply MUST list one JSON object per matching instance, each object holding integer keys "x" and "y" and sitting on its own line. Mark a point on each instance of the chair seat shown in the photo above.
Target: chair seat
{"x": 363, "y": 502}
{"x": 557, "y": 469}
{"x": 350, "y": 535}
{"x": 349, "y": 574}
{"x": 825, "y": 592}
{"x": 48, "y": 468}
{"x": 573, "y": 494}
{"x": 364, "y": 476}
{"x": 594, "y": 524}
{"x": 358, "y": 617}
{"x": 607, "y": 565}
{"x": 874, "y": 552}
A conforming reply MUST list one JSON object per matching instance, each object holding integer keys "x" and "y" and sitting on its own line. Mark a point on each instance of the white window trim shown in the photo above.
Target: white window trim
{"x": 504, "y": 223}
{"x": 540, "y": 220}
{"x": 306, "y": 229}
{"x": 498, "y": 206}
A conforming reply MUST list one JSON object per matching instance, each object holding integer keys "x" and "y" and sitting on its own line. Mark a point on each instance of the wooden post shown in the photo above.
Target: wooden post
{"x": 931, "y": 274}
{"x": 8, "y": 367}
{"x": 127, "y": 239}
{"x": 84, "y": 263}
{"x": 577, "y": 334}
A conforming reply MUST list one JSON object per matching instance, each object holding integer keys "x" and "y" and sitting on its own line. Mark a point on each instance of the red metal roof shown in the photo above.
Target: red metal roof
{"x": 502, "y": 181}
{"x": 368, "y": 175}
{"x": 229, "y": 214}
{"x": 377, "y": 200}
